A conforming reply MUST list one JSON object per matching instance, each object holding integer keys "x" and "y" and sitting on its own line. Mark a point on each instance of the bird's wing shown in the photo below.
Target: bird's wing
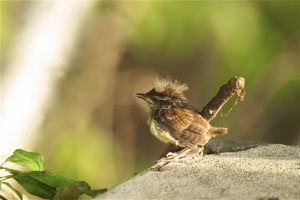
{"x": 187, "y": 127}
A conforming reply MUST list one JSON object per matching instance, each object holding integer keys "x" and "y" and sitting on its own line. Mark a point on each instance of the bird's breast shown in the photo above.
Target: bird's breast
{"x": 161, "y": 134}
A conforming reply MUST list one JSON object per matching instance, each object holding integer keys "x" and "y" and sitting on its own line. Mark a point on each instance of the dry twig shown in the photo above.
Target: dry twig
{"x": 235, "y": 85}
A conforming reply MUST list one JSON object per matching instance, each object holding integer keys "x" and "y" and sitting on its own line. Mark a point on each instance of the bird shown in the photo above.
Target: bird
{"x": 173, "y": 120}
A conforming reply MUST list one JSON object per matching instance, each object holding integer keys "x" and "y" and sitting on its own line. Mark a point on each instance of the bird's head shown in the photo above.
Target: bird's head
{"x": 165, "y": 94}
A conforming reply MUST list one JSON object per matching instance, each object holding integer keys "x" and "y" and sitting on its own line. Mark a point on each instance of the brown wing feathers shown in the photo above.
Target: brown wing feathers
{"x": 188, "y": 129}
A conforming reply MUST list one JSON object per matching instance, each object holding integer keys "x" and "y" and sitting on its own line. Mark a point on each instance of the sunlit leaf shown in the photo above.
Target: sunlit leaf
{"x": 34, "y": 161}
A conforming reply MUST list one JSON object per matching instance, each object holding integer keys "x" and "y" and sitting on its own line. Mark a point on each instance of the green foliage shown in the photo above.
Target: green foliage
{"x": 41, "y": 183}
{"x": 32, "y": 160}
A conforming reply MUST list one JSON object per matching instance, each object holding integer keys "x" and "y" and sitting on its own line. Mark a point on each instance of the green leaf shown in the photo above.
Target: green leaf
{"x": 45, "y": 177}
{"x": 49, "y": 178}
{"x": 44, "y": 184}
{"x": 35, "y": 187}
{"x": 13, "y": 189}
{"x": 39, "y": 183}
{"x": 34, "y": 161}
{"x": 94, "y": 193}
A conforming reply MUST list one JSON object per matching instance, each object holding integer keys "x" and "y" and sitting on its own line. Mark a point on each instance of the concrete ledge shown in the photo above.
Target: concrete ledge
{"x": 264, "y": 172}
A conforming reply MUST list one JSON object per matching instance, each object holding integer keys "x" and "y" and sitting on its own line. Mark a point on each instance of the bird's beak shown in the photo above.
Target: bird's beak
{"x": 141, "y": 95}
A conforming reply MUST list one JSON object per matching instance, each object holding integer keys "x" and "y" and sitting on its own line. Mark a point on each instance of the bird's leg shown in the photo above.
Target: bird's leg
{"x": 173, "y": 157}
{"x": 170, "y": 157}
{"x": 197, "y": 153}
{"x": 177, "y": 155}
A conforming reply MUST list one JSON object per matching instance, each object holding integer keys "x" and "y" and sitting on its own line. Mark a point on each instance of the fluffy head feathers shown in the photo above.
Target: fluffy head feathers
{"x": 169, "y": 87}
{"x": 163, "y": 83}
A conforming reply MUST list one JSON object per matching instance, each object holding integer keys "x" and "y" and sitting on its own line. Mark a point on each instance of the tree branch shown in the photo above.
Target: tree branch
{"x": 235, "y": 85}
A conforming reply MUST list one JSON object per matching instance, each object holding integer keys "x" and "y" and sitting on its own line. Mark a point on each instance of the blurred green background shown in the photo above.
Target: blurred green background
{"x": 95, "y": 128}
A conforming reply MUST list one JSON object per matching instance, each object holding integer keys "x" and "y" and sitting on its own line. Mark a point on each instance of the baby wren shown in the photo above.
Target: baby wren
{"x": 173, "y": 120}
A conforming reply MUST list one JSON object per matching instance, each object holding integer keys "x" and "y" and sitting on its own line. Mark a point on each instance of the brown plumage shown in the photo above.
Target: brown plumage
{"x": 174, "y": 121}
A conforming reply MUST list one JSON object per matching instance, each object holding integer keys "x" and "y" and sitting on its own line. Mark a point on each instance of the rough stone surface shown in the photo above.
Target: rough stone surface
{"x": 268, "y": 172}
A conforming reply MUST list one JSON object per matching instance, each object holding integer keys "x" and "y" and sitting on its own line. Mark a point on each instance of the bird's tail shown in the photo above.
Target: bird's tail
{"x": 215, "y": 131}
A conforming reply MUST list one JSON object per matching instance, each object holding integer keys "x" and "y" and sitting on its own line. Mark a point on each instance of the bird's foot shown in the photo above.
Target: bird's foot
{"x": 171, "y": 157}
{"x": 174, "y": 157}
